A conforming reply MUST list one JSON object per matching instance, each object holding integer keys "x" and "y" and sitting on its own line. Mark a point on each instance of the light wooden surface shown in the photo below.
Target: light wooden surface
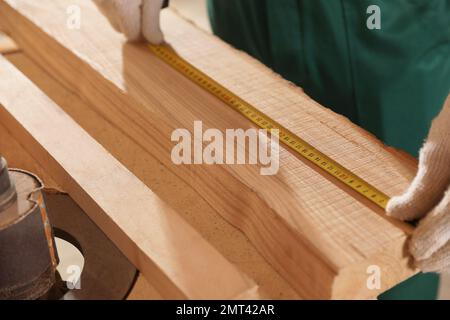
{"x": 7, "y": 45}
{"x": 153, "y": 236}
{"x": 193, "y": 10}
{"x": 18, "y": 157}
{"x": 228, "y": 240}
{"x": 319, "y": 236}
{"x": 223, "y": 236}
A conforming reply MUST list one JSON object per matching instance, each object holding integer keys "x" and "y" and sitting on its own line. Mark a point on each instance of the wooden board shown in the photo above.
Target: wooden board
{"x": 229, "y": 241}
{"x": 153, "y": 236}
{"x": 18, "y": 157}
{"x": 7, "y": 45}
{"x": 320, "y": 236}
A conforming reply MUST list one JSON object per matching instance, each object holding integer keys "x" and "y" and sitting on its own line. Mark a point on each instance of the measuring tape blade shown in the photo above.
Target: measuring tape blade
{"x": 288, "y": 138}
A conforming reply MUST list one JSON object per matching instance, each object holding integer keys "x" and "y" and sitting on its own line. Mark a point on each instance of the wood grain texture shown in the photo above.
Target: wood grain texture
{"x": 320, "y": 236}
{"x": 153, "y": 236}
{"x": 7, "y": 45}
{"x": 228, "y": 240}
{"x": 18, "y": 157}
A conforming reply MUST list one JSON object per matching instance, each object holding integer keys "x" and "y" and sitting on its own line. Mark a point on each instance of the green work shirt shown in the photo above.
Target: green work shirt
{"x": 392, "y": 81}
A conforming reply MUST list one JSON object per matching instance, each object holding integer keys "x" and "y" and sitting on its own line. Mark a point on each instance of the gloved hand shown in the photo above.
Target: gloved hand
{"x": 136, "y": 19}
{"x": 428, "y": 197}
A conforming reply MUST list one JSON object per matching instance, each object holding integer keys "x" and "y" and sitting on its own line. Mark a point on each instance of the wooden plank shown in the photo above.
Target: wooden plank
{"x": 193, "y": 10}
{"x": 228, "y": 240}
{"x": 18, "y": 157}
{"x": 153, "y": 236}
{"x": 320, "y": 236}
{"x": 7, "y": 45}
{"x": 143, "y": 290}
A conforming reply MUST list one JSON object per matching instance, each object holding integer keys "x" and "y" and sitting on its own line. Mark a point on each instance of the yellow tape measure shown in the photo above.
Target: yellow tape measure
{"x": 291, "y": 140}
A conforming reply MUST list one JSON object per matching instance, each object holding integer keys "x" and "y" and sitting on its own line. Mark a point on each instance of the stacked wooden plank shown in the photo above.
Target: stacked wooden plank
{"x": 320, "y": 236}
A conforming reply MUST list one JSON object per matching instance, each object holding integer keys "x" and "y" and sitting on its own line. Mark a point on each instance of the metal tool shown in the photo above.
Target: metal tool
{"x": 28, "y": 256}
{"x": 287, "y": 137}
{"x": 107, "y": 274}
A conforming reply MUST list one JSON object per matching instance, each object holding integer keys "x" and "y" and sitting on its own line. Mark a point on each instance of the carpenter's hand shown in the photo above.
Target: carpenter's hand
{"x": 136, "y": 19}
{"x": 428, "y": 197}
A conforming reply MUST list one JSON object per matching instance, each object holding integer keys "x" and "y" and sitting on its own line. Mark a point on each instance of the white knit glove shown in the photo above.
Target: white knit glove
{"x": 136, "y": 19}
{"x": 428, "y": 197}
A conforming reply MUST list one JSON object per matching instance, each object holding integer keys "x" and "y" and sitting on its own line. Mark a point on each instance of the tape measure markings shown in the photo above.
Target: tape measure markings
{"x": 263, "y": 121}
